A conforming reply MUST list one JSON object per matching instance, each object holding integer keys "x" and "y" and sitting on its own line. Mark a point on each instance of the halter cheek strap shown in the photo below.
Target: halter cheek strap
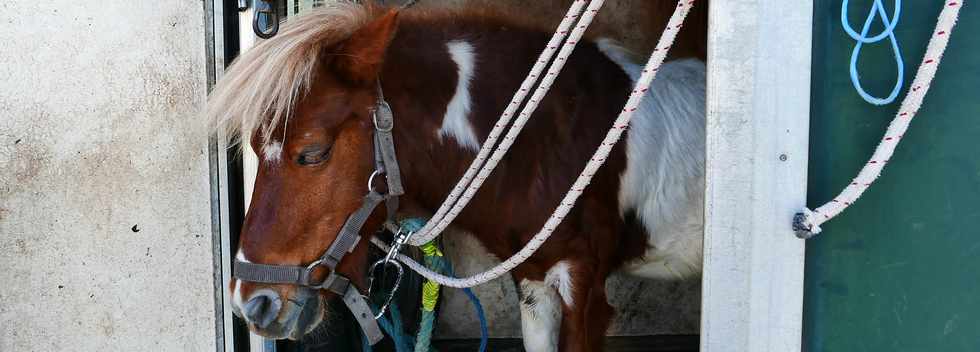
{"x": 386, "y": 164}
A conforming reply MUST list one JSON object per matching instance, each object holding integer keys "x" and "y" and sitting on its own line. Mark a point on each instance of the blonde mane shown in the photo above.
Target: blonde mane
{"x": 260, "y": 89}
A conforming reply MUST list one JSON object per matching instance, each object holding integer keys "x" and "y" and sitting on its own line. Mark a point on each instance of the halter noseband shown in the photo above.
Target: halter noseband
{"x": 385, "y": 164}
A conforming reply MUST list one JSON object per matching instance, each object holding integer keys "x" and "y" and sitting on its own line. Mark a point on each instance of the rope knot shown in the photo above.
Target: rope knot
{"x": 804, "y": 226}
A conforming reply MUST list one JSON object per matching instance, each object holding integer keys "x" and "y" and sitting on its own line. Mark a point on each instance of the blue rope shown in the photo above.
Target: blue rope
{"x": 396, "y": 331}
{"x": 484, "y": 333}
{"x": 402, "y": 343}
{"x": 394, "y": 327}
{"x": 415, "y": 224}
{"x": 446, "y": 267}
{"x": 424, "y": 339}
{"x": 862, "y": 38}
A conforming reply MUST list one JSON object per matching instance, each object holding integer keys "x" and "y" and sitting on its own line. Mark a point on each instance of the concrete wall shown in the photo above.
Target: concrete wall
{"x": 105, "y": 237}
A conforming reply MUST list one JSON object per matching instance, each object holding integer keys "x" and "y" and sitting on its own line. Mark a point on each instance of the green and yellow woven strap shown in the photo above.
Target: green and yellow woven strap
{"x": 430, "y": 289}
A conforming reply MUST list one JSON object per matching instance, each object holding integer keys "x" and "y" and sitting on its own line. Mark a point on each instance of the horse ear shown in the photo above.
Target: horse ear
{"x": 360, "y": 57}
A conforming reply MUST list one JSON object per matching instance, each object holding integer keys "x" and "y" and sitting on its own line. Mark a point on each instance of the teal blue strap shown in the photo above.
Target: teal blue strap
{"x": 393, "y": 327}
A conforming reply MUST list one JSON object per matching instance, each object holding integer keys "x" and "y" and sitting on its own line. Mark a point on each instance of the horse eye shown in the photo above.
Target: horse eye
{"x": 313, "y": 155}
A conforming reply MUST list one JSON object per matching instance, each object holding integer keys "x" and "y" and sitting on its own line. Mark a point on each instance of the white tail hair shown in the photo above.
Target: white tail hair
{"x": 259, "y": 90}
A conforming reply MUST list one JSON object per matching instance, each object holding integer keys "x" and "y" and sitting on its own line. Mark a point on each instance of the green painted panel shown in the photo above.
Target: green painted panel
{"x": 899, "y": 270}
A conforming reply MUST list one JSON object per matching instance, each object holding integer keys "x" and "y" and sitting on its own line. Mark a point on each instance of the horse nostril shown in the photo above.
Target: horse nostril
{"x": 263, "y": 308}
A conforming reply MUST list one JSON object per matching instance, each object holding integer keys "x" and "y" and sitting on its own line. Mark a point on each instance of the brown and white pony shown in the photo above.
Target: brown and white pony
{"x": 304, "y": 99}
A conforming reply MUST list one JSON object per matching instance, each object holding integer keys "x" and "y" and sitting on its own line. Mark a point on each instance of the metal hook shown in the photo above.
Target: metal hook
{"x": 387, "y": 302}
{"x": 272, "y": 26}
{"x": 401, "y": 238}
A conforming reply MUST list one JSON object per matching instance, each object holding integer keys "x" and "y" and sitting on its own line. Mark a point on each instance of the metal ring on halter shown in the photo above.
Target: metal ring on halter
{"x": 371, "y": 180}
{"x": 394, "y": 289}
{"x": 308, "y": 273}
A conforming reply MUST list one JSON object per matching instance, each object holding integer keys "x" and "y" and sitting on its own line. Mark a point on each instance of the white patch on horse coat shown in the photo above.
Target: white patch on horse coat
{"x": 236, "y": 297}
{"x": 540, "y": 316}
{"x": 272, "y": 151}
{"x": 560, "y": 277}
{"x": 456, "y": 123}
{"x": 664, "y": 178}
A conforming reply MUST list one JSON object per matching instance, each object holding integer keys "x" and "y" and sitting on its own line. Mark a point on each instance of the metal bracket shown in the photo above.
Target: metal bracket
{"x": 263, "y": 7}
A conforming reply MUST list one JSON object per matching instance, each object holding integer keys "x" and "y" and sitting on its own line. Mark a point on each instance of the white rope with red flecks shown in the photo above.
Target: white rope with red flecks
{"x": 599, "y": 157}
{"x": 807, "y": 224}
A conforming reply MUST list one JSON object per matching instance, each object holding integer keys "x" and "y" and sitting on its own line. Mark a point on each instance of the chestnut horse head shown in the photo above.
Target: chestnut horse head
{"x": 304, "y": 101}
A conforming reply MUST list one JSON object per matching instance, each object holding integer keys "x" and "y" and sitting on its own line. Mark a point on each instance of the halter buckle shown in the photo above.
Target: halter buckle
{"x": 385, "y": 124}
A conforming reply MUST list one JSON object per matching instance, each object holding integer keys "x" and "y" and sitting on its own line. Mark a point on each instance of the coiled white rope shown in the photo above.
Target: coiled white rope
{"x": 479, "y": 170}
{"x": 599, "y": 157}
{"x": 807, "y": 224}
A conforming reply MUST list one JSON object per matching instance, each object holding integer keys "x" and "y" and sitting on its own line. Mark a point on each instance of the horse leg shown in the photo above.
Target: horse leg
{"x": 540, "y": 315}
{"x": 586, "y": 317}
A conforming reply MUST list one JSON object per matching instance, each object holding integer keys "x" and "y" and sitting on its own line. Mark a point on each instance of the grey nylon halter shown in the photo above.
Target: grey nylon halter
{"x": 386, "y": 164}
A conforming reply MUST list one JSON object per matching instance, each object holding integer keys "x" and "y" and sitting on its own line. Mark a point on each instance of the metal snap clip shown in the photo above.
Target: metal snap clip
{"x": 391, "y": 295}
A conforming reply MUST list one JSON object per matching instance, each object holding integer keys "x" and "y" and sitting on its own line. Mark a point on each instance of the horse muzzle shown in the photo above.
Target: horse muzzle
{"x": 279, "y": 314}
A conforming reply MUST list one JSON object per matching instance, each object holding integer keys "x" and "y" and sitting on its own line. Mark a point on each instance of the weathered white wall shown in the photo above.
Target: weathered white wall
{"x": 758, "y": 122}
{"x": 99, "y": 132}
